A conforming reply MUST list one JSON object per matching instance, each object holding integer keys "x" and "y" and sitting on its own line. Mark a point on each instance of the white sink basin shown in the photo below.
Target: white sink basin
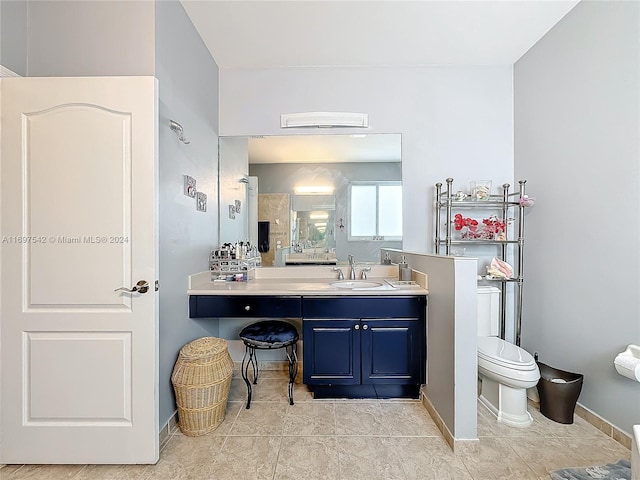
{"x": 355, "y": 284}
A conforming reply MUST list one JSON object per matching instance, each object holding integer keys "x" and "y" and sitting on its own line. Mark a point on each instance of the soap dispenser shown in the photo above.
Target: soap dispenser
{"x": 404, "y": 272}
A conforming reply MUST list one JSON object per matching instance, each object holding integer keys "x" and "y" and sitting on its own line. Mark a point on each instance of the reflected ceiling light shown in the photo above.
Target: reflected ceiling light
{"x": 318, "y": 216}
{"x": 310, "y": 189}
{"x": 324, "y": 119}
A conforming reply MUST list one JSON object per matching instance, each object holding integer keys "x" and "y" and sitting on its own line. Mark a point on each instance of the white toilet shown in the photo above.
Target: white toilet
{"x": 505, "y": 370}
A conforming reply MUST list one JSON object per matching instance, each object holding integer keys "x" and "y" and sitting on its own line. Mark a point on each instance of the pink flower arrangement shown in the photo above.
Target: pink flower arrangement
{"x": 492, "y": 228}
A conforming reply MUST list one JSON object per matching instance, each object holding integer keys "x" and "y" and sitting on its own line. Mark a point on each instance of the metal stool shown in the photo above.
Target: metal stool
{"x": 269, "y": 335}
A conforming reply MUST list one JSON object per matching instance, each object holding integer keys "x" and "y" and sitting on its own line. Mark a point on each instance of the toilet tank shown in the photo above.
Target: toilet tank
{"x": 488, "y": 311}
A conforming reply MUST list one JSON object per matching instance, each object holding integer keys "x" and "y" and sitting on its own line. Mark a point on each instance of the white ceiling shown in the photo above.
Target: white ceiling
{"x": 291, "y": 33}
{"x": 300, "y": 33}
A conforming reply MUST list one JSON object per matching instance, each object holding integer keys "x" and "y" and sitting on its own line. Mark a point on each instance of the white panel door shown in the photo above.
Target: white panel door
{"x": 78, "y": 358}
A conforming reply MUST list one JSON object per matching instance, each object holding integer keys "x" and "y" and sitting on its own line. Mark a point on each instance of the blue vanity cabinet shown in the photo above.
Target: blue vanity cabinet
{"x": 331, "y": 351}
{"x": 270, "y": 306}
{"x": 353, "y": 346}
{"x": 377, "y": 348}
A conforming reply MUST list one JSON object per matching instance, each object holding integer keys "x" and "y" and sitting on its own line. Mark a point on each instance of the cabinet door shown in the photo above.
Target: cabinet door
{"x": 331, "y": 352}
{"x": 391, "y": 351}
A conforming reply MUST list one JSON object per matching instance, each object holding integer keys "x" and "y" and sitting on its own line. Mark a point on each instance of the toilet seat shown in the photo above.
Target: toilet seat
{"x": 496, "y": 351}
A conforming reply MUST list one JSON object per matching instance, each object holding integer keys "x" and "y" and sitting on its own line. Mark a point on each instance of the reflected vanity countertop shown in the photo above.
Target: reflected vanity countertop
{"x": 310, "y": 259}
{"x": 311, "y": 280}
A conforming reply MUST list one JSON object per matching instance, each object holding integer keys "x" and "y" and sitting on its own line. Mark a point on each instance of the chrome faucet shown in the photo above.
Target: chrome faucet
{"x": 352, "y": 266}
{"x": 363, "y": 273}
{"x": 340, "y": 274}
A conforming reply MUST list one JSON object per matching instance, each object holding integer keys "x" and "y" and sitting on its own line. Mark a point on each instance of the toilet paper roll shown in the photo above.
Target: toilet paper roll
{"x": 628, "y": 365}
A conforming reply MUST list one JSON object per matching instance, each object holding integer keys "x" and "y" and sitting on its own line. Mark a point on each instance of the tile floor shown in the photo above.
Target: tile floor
{"x": 348, "y": 440}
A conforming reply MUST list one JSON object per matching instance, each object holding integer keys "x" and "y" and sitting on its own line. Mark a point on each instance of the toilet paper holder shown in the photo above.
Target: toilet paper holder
{"x": 627, "y": 363}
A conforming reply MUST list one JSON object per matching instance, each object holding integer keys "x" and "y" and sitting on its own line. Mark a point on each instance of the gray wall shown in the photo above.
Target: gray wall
{"x": 455, "y": 121}
{"x": 577, "y": 142}
{"x": 72, "y": 38}
{"x": 282, "y": 178}
{"x": 188, "y": 79}
{"x": 13, "y": 36}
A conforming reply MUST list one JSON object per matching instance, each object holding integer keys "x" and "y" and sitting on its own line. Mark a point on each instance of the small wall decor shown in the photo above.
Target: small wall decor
{"x": 238, "y": 203}
{"x": 201, "y": 202}
{"x": 189, "y": 186}
{"x": 232, "y": 212}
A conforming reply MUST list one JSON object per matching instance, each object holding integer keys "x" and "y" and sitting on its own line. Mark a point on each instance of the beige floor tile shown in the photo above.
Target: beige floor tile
{"x": 263, "y": 418}
{"x": 407, "y": 419}
{"x": 8, "y": 470}
{"x": 346, "y": 439}
{"x": 247, "y": 458}
{"x": 308, "y": 418}
{"x": 430, "y": 458}
{"x": 186, "y": 458}
{"x": 238, "y": 390}
{"x": 496, "y": 460}
{"x": 276, "y": 390}
{"x": 370, "y": 458}
{"x": 45, "y": 472}
{"x": 543, "y": 455}
{"x": 360, "y": 418}
{"x": 308, "y": 458}
{"x": 113, "y": 472}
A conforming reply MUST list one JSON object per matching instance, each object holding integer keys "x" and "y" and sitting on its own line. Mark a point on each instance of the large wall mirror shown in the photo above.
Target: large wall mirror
{"x": 313, "y": 199}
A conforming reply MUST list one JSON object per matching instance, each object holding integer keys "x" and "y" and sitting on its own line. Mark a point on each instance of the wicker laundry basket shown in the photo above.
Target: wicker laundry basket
{"x": 201, "y": 379}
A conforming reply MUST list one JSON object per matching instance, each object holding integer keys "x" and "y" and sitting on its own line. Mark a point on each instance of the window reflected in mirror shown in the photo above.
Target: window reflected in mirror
{"x": 375, "y": 211}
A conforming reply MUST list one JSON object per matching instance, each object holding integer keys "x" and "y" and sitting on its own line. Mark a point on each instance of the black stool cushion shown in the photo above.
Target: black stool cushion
{"x": 269, "y": 334}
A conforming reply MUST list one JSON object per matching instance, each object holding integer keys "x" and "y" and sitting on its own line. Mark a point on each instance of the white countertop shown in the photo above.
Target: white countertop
{"x": 302, "y": 280}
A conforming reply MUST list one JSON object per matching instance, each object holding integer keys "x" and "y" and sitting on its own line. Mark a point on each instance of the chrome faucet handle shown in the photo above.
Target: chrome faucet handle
{"x": 340, "y": 274}
{"x": 363, "y": 273}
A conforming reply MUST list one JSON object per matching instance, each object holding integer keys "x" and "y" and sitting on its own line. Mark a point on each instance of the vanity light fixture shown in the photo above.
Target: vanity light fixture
{"x": 314, "y": 189}
{"x": 324, "y": 119}
{"x": 177, "y": 128}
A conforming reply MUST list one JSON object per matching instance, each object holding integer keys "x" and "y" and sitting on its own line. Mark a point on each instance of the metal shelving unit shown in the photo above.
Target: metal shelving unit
{"x": 447, "y": 203}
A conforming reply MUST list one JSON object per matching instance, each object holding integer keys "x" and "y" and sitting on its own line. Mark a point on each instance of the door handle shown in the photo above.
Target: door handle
{"x": 141, "y": 287}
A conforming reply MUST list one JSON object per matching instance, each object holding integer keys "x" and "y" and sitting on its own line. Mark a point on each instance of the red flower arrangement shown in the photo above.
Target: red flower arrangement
{"x": 492, "y": 228}
{"x": 459, "y": 222}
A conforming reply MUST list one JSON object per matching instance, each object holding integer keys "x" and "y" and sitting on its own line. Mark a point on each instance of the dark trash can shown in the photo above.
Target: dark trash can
{"x": 558, "y": 391}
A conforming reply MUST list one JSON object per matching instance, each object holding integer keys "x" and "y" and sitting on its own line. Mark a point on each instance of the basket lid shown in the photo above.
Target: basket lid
{"x": 204, "y": 347}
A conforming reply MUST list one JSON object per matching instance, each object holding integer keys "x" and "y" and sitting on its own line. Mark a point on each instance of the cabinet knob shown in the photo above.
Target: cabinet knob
{"x": 357, "y": 327}
{"x": 365, "y": 326}
{"x": 247, "y": 307}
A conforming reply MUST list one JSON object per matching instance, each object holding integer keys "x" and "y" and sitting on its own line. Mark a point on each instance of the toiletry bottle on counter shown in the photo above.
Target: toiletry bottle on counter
{"x": 404, "y": 272}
